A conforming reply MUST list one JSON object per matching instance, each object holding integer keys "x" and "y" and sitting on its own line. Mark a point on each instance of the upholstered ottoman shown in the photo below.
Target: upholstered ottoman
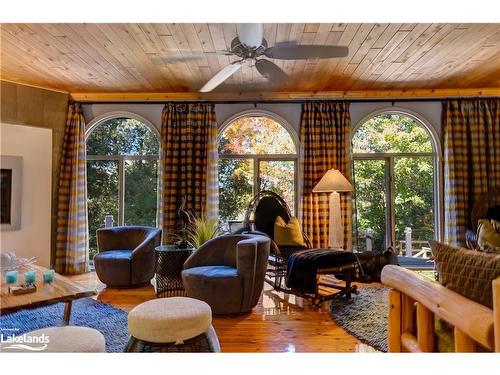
{"x": 175, "y": 324}
{"x": 68, "y": 339}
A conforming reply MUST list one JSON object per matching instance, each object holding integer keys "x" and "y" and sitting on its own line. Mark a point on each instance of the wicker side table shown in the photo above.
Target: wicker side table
{"x": 169, "y": 262}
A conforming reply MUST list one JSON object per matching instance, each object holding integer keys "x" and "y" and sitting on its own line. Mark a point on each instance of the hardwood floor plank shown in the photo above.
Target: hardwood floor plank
{"x": 279, "y": 323}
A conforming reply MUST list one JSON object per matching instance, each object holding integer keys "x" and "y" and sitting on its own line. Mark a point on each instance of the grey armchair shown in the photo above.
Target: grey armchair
{"x": 126, "y": 255}
{"x": 228, "y": 272}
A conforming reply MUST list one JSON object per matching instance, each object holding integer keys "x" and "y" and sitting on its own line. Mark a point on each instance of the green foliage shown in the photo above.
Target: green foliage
{"x": 413, "y": 179}
{"x": 141, "y": 182}
{"x": 201, "y": 230}
{"x": 102, "y": 197}
{"x": 390, "y": 133}
{"x": 121, "y": 137}
{"x": 235, "y": 187}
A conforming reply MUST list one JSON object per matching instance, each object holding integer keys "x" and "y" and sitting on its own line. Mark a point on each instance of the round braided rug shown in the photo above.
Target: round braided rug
{"x": 365, "y": 315}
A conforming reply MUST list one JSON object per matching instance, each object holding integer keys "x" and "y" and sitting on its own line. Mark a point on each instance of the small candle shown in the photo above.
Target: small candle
{"x": 11, "y": 277}
{"x": 48, "y": 276}
{"x": 30, "y": 277}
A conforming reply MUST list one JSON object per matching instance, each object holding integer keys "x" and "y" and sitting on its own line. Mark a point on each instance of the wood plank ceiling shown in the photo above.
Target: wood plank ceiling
{"x": 182, "y": 57}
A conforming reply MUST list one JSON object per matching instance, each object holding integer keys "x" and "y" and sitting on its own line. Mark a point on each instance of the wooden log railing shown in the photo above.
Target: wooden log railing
{"x": 414, "y": 301}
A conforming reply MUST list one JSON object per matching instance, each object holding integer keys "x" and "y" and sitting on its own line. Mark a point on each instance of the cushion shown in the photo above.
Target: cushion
{"x": 212, "y": 272}
{"x": 69, "y": 339}
{"x": 496, "y": 225}
{"x": 467, "y": 272}
{"x": 169, "y": 320}
{"x": 488, "y": 234}
{"x": 115, "y": 255}
{"x": 288, "y": 234}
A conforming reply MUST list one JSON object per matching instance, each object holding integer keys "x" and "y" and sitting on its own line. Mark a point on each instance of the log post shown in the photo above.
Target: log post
{"x": 425, "y": 328}
{"x": 394, "y": 332}
{"x": 463, "y": 343}
{"x": 408, "y": 314}
{"x": 496, "y": 312}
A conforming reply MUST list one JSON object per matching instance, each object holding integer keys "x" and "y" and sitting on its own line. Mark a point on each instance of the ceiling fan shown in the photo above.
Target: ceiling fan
{"x": 250, "y": 45}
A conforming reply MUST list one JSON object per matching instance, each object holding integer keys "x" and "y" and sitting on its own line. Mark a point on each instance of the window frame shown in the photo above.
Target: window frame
{"x": 389, "y": 158}
{"x": 122, "y": 159}
{"x": 257, "y": 158}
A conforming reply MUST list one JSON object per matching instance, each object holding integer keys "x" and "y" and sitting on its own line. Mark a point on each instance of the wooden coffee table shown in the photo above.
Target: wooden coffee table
{"x": 61, "y": 290}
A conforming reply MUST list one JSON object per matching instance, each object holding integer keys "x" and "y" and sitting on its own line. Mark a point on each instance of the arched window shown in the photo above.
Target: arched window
{"x": 122, "y": 170}
{"x": 256, "y": 152}
{"x": 394, "y": 164}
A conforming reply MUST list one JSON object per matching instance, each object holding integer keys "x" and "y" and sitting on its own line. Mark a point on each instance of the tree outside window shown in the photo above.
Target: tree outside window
{"x": 394, "y": 178}
{"x": 122, "y": 175}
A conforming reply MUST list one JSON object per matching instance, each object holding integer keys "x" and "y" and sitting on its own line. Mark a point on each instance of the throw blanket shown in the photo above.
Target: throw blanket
{"x": 303, "y": 266}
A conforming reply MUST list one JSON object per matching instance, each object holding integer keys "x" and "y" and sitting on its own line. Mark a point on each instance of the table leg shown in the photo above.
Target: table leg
{"x": 67, "y": 313}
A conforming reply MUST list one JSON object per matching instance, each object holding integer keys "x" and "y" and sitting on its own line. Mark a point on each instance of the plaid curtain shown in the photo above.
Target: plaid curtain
{"x": 188, "y": 164}
{"x": 471, "y": 159}
{"x": 72, "y": 231}
{"x": 325, "y": 140}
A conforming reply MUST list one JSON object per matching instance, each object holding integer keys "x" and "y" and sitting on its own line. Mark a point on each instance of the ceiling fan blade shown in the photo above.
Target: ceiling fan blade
{"x": 221, "y": 76}
{"x": 187, "y": 55}
{"x": 250, "y": 34}
{"x": 288, "y": 51}
{"x": 167, "y": 60}
{"x": 270, "y": 70}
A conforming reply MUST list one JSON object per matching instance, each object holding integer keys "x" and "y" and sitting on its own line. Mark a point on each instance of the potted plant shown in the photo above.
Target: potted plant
{"x": 200, "y": 230}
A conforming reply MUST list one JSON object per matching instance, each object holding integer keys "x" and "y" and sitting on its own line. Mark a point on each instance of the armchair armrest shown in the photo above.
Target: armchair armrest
{"x": 246, "y": 257}
{"x": 246, "y": 264}
{"x": 148, "y": 245}
{"x": 214, "y": 252}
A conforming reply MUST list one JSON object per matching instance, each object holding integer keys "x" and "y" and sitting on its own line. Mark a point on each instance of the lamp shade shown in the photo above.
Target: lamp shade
{"x": 332, "y": 181}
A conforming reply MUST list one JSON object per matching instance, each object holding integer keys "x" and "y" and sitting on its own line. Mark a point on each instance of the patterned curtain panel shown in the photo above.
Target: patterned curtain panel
{"x": 471, "y": 159}
{"x": 72, "y": 230}
{"x": 325, "y": 141}
{"x": 188, "y": 165}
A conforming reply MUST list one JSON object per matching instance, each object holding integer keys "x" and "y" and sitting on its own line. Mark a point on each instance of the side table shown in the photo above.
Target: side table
{"x": 169, "y": 262}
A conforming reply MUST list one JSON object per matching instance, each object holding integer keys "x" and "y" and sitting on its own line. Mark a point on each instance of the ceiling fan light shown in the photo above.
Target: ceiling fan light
{"x": 250, "y": 34}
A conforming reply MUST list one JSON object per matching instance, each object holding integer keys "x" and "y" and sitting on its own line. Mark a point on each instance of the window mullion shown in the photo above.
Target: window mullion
{"x": 121, "y": 195}
{"x": 391, "y": 205}
{"x": 256, "y": 176}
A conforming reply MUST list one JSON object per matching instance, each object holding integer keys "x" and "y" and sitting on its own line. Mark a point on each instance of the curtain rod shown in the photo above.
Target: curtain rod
{"x": 292, "y": 101}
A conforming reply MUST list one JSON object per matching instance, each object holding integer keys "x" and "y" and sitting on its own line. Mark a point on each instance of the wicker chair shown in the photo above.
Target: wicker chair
{"x": 262, "y": 212}
{"x": 487, "y": 206}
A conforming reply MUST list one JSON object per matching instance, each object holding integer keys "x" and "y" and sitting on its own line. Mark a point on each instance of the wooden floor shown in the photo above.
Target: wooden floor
{"x": 279, "y": 323}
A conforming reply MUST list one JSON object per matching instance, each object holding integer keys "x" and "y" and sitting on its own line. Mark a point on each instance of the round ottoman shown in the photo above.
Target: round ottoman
{"x": 68, "y": 339}
{"x": 175, "y": 324}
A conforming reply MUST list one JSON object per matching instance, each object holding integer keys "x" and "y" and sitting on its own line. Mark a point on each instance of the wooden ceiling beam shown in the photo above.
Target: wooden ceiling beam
{"x": 285, "y": 96}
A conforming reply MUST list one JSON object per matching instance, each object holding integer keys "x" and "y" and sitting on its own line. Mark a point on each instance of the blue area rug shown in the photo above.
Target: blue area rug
{"x": 86, "y": 312}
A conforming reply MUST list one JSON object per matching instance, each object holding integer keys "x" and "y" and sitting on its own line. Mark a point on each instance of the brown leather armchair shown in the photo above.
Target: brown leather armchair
{"x": 126, "y": 255}
{"x": 228, "y": 272}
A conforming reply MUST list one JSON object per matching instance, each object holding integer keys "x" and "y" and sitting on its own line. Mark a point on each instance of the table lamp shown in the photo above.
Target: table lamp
{"x": 334, "y": 182}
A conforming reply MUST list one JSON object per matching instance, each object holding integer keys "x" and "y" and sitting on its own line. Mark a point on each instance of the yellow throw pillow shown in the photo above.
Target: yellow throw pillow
{"x": 487, "y": 235}
{"x": 496, "y": 225}
{"x": 288, "y": 234}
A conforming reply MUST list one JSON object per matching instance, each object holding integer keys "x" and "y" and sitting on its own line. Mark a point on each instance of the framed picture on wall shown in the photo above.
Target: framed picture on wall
{"x": 11, "y": 172}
